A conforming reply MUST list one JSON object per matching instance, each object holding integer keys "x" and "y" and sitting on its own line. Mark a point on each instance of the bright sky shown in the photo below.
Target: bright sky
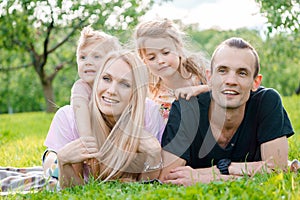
{"x": 224, "y": 14}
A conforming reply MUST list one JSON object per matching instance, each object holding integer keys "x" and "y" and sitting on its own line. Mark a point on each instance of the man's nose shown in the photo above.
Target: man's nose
{"x": 231, "y": 78}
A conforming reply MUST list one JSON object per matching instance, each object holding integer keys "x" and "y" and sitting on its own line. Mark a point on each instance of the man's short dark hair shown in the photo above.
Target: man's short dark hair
{"x": 239, "y": 43}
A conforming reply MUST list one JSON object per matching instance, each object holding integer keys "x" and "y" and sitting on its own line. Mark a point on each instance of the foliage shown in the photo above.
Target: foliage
{"x": 23, "y": 36}
{"x": 282, "y": 15}
{"x": 209, "y": 39}
{"x": 283, "y": 18}
{"x": 281, "y": 186}
{"x": 292, "y": 106}
{"x": 21, "y": 138}
{"x": 21, "y": 144}
{"x": 280, "y": 61}
{"x": 279, "y": 55}
{"x": 36, "y": 32}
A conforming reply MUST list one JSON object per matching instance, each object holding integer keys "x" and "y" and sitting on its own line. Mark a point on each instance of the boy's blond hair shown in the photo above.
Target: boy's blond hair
{"x": 88, "y": 36}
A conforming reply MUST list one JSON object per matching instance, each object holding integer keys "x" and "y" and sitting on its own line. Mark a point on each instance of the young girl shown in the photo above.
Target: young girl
{"x": 174, "y": 72}
{"x": 124, "y": 125}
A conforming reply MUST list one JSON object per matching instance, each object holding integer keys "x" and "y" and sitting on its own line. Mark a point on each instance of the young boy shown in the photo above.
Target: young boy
{"x": 92, "y": 48}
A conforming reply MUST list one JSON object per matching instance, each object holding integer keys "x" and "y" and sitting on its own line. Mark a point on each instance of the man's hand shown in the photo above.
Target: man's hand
{"x": 182, "y": 176}
{"x": 188, "y": 176}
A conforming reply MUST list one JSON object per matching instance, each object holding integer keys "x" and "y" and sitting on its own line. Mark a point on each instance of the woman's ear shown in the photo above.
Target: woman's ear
{"x": 257, "y": 82}
{"x": 208, "y": 76}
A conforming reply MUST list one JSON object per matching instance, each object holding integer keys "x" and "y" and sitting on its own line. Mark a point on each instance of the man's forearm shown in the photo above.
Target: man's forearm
{"x": 248, "y": 168}
{"x": 237, "y": 169}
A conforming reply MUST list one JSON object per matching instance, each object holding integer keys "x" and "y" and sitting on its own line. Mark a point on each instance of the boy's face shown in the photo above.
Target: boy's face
{"x": 89, "y": 60}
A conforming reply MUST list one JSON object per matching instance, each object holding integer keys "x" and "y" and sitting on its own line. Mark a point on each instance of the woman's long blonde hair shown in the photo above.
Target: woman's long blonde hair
{"x": 118, "y": 143}
{"x": 190, "y": 63}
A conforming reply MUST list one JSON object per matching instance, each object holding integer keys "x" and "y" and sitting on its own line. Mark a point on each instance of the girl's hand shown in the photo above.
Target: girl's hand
{"x": 188, "y": 92}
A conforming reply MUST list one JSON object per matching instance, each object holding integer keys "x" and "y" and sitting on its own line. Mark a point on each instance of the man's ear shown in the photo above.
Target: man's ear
{"x": 257, "y": 82}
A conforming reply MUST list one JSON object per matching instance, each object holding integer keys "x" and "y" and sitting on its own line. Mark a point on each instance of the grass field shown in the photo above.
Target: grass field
{"x": 21, "y": 145}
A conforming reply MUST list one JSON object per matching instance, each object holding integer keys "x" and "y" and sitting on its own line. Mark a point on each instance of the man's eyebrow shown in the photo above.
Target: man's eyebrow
{"x": 221, "y": 66}
{"x": 243, "y": 68}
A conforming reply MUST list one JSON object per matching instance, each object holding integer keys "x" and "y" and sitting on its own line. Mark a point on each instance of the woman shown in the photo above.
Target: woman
{"x": 123, "y": 140}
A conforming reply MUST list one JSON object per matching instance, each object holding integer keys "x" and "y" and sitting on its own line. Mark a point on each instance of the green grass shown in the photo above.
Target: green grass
{"x": 21, "y": 145}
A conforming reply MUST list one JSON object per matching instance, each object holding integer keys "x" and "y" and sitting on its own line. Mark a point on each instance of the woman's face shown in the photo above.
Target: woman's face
{"x": 115, "y": 88}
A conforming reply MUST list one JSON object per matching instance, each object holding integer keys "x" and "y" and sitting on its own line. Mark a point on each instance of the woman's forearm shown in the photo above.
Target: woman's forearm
{"x": 69, "y": 174}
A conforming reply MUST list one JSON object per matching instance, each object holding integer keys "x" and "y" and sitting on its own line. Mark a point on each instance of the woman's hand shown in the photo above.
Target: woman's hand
{"x": 78, "y": 150}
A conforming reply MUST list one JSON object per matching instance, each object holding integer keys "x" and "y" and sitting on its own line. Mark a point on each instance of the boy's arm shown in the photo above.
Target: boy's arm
{"x": 82, "y": 117}
{"x": 80, "y": 98}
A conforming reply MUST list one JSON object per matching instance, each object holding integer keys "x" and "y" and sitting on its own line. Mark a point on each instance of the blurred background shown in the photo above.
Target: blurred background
{"x": 38, "y": 40}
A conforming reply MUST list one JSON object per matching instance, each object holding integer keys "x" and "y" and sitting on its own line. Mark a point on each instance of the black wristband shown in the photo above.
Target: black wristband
{"x": 223, "y": 165}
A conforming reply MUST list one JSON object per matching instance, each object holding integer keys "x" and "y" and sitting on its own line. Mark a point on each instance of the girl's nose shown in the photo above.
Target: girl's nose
{"x": 160, "y": 58}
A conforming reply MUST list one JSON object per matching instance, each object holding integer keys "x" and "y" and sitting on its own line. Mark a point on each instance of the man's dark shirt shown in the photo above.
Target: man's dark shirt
{"x": 188, "y": 134}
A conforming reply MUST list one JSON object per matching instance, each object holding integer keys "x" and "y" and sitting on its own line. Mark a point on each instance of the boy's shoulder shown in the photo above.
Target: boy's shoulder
{"x": 81, "y": 84}
{"x": 80, "y": 87}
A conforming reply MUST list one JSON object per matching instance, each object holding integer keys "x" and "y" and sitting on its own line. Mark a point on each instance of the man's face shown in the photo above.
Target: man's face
{"x": 231, "y": 79}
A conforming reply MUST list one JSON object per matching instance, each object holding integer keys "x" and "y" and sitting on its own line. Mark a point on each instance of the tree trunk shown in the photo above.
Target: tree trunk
{"x": 298, "y": 89}
{"x": 49, "y": 97}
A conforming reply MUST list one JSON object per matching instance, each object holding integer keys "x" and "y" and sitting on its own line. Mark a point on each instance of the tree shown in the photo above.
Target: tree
{"x": 39, "y": 30}
{"x": 284, "y": 18}
{"x": 282, "y": 15}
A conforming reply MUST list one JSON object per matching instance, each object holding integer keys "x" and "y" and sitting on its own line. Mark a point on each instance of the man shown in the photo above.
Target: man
{"x": 235, "y": 129}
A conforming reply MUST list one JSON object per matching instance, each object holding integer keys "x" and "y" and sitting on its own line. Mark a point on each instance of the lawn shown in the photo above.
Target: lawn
{"x": 21, "y": 145}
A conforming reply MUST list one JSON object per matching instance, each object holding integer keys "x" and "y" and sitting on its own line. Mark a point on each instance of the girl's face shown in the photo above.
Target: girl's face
{"x": 161, "y": 57}
{"x": 89, "y": 60}
{"x": 115, "y": 89}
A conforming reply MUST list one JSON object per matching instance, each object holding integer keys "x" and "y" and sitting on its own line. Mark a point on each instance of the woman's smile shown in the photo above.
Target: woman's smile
{"x": 109, "y": 100}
